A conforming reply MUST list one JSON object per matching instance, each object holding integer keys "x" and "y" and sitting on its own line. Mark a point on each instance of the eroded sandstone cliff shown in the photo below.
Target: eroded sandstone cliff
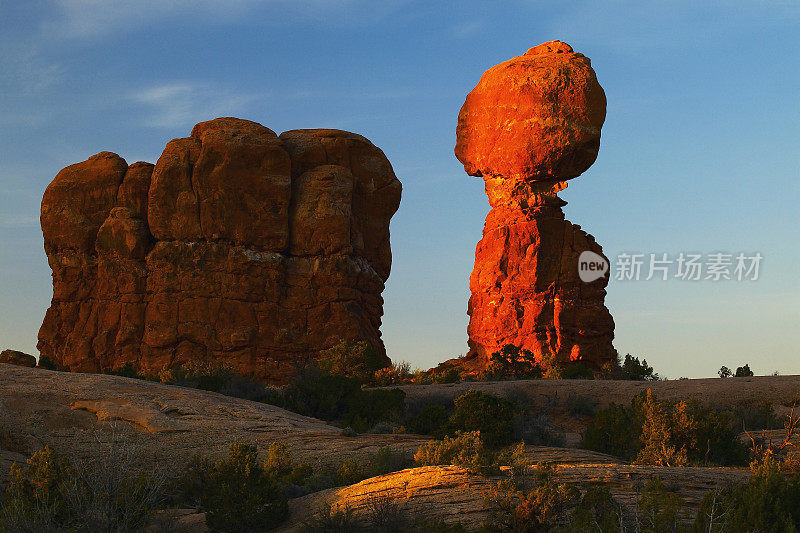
{"x": 238, "y": 245}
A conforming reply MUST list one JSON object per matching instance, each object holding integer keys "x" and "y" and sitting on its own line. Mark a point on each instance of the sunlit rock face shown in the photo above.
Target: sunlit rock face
{"x": 238, "y": 246}
{"x": 530, "y": 124}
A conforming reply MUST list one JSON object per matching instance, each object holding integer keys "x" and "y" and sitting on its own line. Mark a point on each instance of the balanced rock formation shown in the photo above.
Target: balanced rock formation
{"x": 530, "y": 124}
{"x": 238, "y": 246}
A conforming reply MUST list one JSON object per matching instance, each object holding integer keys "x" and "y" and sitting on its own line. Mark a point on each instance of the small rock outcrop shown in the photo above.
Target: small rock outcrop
{"x": 14, "y": 357}
{"x": 530, "y": 124}
{"x": 238, "y": 245}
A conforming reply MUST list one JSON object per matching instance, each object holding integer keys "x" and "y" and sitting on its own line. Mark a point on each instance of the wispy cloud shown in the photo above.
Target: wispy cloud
{"x": 178, "y": 104}
{"x": 24, "y": 68}
{"x": 466, "y": 30}
{"x": 97, "y": 18}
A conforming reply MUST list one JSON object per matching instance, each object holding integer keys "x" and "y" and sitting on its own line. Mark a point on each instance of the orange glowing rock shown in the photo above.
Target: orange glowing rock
{"x": 530, "y": 124}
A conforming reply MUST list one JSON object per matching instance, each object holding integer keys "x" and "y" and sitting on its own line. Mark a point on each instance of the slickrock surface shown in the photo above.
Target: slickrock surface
{"x": 71, "y": 411}
{"x": 530, "y": 124}
{"x": 723, "y": 393}
{"x": 238, "y": 246}
{"x": 453, "y": 495}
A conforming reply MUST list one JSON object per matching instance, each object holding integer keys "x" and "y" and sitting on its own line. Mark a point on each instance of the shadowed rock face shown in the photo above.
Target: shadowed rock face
{"x": 530, "y": 124}
{"x": 238, "y": 245}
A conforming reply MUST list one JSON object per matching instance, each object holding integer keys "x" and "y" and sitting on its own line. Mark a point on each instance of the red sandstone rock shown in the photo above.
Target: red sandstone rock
{"x": 534, "y": 117}
{"x": 532, "y": 123}
{"x": 14, "y": 357}
{"x": 237, "y": 246}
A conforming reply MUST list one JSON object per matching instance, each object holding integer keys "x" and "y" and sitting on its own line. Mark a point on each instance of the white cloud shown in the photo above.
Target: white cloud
{"x": 24, "y": 70}
{"x": 467, "y": 30}
{"x": 96, "y": 18}
{"x": 178, "y": 104}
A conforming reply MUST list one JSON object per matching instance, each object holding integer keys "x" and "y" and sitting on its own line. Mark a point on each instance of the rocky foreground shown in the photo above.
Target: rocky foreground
{"x": 73, "y": 412}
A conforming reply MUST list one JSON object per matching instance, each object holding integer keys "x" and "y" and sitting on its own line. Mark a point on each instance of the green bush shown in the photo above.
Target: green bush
{"x": 49, "y": 493}
{"x": 769, "y": 502}
{"x": 464, "y": 449}
{"x": 351, "y": 359}
{"x": 341, "y": 398}
{"x": 537, "y": 509}
{"x": 743, "y": 372}
{"x": 239, "y": 495}
{"x": 491, "y": 415}
{"x": 633, "y": 369}
{"x": 659, "y": 507}
{"x": 515, "y": 363}
{"x": 666, "y": 433}
{"x": 430, "y": 420}
{"x": 451, "y": 375}
{"x": 614, "y": 430}
{"x": 579, "y": 405}
{"x": 576, "y": 370}
{"x": 332, "y": 520}
{"x": 598, "y": 511}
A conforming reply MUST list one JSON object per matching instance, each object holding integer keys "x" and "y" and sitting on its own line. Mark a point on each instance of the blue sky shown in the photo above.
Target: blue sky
{"x": 699, "y": 150}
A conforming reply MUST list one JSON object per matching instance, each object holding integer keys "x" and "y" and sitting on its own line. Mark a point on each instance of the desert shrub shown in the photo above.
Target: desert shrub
{"x": 331, "y": 519}
{"x": 768, "y": 502}
{"x": 680, "y": 433}
{"x": 239, "y": 495}
{"x": 658, "y": 507}
{"x": 522, "y": 509}
{"x": 351, "y": 359}
{"x": 552, "y": 367}
{"x": 384, "y": 515}
{"x": 464, "y": 449}
{"x": 743, "y": 372}
{"x": 450, "y": 375}
{"x": 633, "y": 369}
{"x": 576, "y": 370}
{"x": 49, "y": 493}
{"x": 430, "y": 420}
{"x": 47, "y": 363}
{"x": 598, "y": 511}
{"x": 368, "y": 407}
{"x": 666, "y": 433}
{"x": 724, "y": 372}
{"x": 756, "y": 417}
{"x": 341, "y": 398}
{"x": 579, "y": 405}
{"x": 512, "y": 362}
{"x": 491, "y": 415}
{"x": 396, "y": 374}
{"x": 199, "y": 374}
{"x": 614, "y": 430}
{"x": 280, "y": 465}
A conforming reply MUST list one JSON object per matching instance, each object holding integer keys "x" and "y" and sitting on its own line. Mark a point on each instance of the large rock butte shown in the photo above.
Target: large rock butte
{"x": 530, "y": 124}
{"x": 238, "y": 246}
